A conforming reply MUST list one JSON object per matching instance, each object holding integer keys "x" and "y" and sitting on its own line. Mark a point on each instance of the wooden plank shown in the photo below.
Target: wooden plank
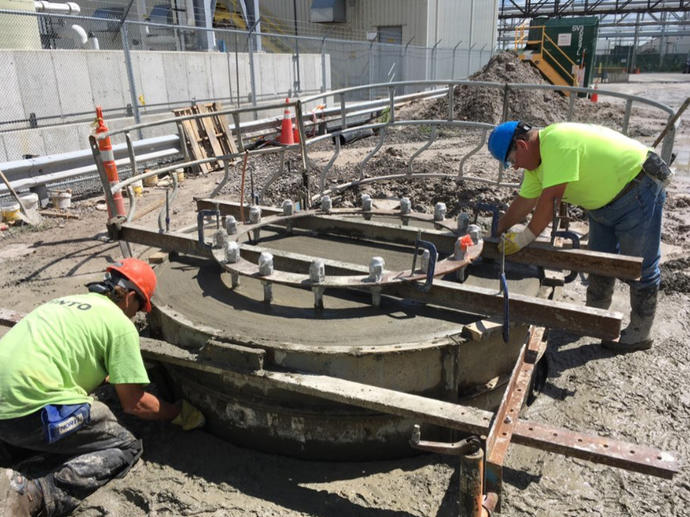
{"x": 625, "y": 267}
{"x": 437, "y": 412}
{"x": 210, "y": 133}
{"x": 223, "y": 129}
{"x": 192, "y": 137}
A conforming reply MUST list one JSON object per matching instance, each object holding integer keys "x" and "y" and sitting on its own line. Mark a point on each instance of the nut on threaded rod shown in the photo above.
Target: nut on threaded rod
{"x": 405, "y": 209}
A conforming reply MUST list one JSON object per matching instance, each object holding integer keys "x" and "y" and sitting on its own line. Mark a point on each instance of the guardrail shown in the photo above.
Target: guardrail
{"x": 343, "y": 118}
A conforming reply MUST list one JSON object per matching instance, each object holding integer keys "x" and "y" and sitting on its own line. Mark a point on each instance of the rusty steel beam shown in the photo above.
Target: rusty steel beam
{"x": 506, "y": 417}
{"x": 637, "y": 458}
{"x": 437, "y": 412}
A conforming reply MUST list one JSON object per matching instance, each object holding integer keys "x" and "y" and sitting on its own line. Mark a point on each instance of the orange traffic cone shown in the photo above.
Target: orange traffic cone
{"x": 286, "y": 133}
{"x": 595, "y": 95}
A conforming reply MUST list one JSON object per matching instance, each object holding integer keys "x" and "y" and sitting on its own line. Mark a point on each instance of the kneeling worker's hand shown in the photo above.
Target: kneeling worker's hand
{"x": 189, "y": 417}
{"x": 515, "y": 241}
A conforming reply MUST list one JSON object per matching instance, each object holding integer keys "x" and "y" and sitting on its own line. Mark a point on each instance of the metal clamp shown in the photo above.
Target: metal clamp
{"x": 489, "y": 207}
{"x": 200, "y": 223}
{"x": 433, "y": 256}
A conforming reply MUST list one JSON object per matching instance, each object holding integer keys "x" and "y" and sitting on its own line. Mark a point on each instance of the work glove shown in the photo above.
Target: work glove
{"x": 512, "y": 242}
{"x": 189, "y": 417}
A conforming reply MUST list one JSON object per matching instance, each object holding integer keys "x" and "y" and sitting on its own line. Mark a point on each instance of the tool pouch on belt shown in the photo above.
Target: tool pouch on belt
{"x": 655, "y": 167}
{"x": 62, "y": 420}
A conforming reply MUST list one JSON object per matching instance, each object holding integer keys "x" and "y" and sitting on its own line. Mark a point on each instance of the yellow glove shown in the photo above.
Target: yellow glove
{"x": 515, "y": 241}
{"x": 189, "y": 417}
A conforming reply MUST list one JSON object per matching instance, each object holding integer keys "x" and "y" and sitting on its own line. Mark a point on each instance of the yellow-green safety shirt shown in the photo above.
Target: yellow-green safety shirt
{"x": 596, "y": 162}
{"x": 63, "y": 350}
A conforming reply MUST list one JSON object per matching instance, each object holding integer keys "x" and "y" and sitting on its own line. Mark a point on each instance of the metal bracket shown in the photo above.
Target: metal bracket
{"x": 200, "y": 224}
{"x": 431, "y": 268}
{"x": 469, "y": 445}
{"x": 489, "y": 207}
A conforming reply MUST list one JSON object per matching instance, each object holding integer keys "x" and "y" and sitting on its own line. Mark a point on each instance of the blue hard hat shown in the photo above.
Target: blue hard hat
{"x": 500, "y": 139}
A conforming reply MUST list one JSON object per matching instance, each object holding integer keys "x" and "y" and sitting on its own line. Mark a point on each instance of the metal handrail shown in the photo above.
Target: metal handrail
{"x": 305, "y": 143}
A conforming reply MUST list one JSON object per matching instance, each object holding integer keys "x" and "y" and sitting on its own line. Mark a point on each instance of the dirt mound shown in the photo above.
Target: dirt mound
{"x": 675, "y": 277}
{"x": 538, "y": 107}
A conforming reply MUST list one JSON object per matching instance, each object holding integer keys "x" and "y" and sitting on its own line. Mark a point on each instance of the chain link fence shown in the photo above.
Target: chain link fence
{"x": 56, "y": 68}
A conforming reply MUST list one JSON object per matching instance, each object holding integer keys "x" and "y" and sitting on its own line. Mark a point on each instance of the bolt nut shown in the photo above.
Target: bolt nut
{"x": 376, "y": 268}
{"x": 439, "y": 211}
{"x": 475, "y": 232}
{"x": 288, "y": 207}
{"x": 425, "y": 260}
{"x": 265, "y": 263}
{"x": 231, "y": 225}
{"x": 463, "y": 223}
{"x": 405, "y": 205}
{"x": 366, "y": 202}
{"x": 254, "y": 214}
{"x": 317, "y": 271}
{"x": 232, "y": 252}
{"x": 219, "y": 239}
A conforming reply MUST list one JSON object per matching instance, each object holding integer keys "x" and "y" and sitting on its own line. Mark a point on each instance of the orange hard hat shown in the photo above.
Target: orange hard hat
{"x": 140, "y": 274}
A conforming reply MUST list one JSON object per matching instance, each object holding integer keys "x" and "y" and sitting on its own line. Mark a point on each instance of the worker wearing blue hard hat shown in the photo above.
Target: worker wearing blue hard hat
{"x": 619, "y": 182}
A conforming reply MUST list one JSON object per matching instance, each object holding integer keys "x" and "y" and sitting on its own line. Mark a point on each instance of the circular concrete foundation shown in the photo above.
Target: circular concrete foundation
{"x": 402, "y": 345}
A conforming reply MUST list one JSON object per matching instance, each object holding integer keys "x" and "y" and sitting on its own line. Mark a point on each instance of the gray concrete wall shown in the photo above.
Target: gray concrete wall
{"x": 65, "y": 83}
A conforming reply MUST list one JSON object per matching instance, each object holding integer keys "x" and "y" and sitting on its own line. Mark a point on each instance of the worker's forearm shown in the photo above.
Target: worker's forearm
{"x": 543, "y": 213}
{"x": 517, "y": 210}
{"x": 150, "y": 407}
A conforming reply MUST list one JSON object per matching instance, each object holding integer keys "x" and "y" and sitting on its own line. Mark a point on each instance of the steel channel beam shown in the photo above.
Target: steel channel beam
{"x": 445, "y": 414}
{"x": 593, "y": 448}
{"x": 507, "y": 414}
{"x": 171, "y": 241}
{"x": 477, "y": 300}
{"x": 620, "y": 266}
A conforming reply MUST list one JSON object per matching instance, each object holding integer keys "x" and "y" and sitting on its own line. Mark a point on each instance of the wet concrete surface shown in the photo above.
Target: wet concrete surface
{"x": 201, "y": 292}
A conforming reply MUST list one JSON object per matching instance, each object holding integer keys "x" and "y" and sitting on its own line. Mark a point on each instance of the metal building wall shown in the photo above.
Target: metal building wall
{"x": 472, "y": 22}
{"x": 362, "y": 16}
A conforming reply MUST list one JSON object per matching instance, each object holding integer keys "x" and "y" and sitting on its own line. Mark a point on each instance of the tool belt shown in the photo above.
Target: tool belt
{"x": 62, "y": 420}
{"x": 656, "y": 168}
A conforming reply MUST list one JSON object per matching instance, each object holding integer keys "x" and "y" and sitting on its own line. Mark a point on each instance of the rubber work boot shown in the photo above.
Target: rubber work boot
{"x": 637, "y": 335}
{"x": 19, "y": 497}
{"x": 600, "y": 291}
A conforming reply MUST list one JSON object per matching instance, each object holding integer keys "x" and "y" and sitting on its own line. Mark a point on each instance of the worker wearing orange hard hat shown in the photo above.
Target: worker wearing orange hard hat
{"x": 619, "y": 181}
{"x": 49, "y": 364}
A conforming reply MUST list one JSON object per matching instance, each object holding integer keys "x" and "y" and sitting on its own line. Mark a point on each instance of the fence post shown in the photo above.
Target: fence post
{"x": 469, "y": 58}
{"x": 433, "y": 60}
{"x": 323, "y": 64}
{"x": 371, "y": 67}
{"x": 252, "y": 79}
{"x": 130, "y": 77}
{"x": 452, "y": 71}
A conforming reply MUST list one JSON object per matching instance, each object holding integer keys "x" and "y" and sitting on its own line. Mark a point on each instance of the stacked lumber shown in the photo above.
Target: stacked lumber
{"x": 206, "y": 137}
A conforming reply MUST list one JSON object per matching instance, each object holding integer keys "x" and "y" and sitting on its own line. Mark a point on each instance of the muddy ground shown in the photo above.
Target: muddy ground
{"x": 643, "y": 397}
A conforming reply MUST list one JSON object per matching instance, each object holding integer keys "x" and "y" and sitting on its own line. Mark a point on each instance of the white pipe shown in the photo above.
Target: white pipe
{"x": 81, "y": 33}
{"x": 52, "y": 7}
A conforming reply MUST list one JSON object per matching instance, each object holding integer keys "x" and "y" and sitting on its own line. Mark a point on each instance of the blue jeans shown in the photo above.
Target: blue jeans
{"x": 632, "y": 226}
{"x": 87, "y": 459}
